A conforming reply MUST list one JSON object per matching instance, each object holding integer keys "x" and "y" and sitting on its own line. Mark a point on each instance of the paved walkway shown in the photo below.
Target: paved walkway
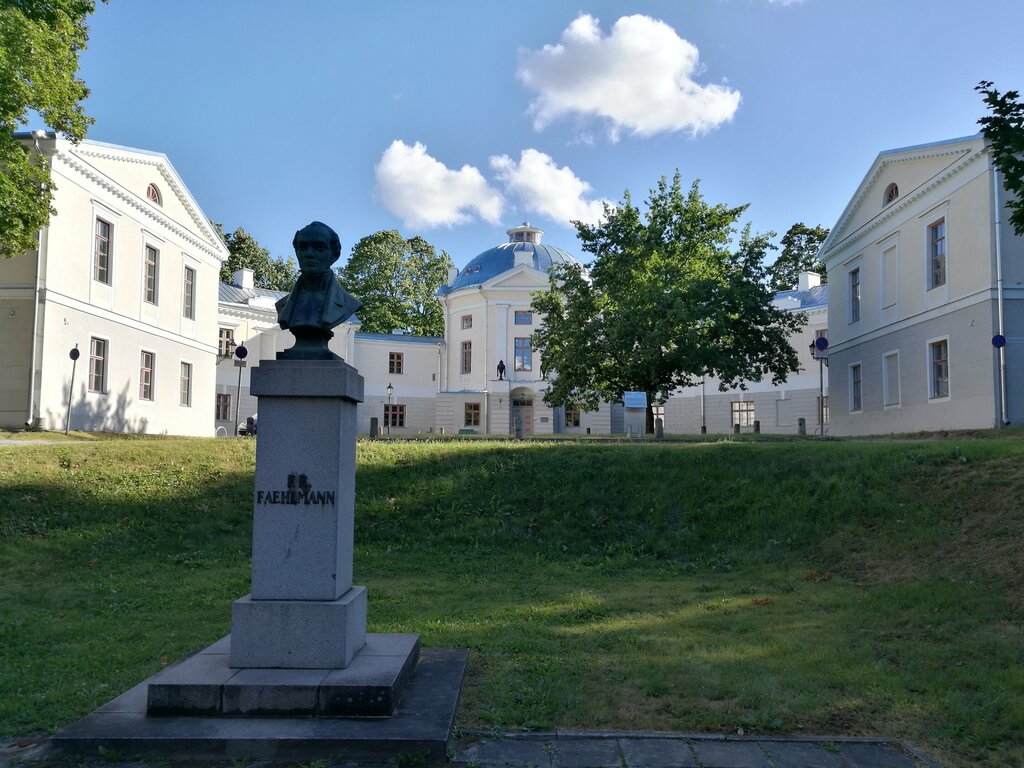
{"x": 680, "y": 750}
{"x": 591, "y": 750}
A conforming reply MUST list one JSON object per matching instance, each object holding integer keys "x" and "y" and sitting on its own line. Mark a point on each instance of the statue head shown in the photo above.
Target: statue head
{"x": 317, "y": 247}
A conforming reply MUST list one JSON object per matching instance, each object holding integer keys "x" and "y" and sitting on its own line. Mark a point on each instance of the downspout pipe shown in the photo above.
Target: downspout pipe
{"x": 1004, "y": 419}
{"x": 30, "y": 420}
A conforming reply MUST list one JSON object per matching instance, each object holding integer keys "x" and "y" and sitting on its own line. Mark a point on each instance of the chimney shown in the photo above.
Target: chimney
{"x": 808, "y": 280}
{"x": 452, "y": 274}
{"x": 242, "y": 278}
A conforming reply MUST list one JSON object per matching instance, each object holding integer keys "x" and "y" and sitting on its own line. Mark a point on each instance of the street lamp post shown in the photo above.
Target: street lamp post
{"x": 391, "y": 391}
{"x": 818, "y": 347}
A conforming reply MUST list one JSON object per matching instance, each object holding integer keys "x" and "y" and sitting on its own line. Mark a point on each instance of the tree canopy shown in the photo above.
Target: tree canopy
{"x": 1004, "y": 131}
{"x": 671, "y": 296}
{"x": 246, "y": 253}
{"x": 799, "y": 254}
{"x": 397, "y": 281}
{"x": 39, "y": 46}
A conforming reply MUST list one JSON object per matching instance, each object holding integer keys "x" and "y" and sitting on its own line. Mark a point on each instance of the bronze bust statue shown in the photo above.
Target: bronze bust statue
{"x": 317, "y": 303}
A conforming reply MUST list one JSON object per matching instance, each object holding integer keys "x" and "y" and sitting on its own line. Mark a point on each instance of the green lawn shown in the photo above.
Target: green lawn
{"x": 780, "y": 587}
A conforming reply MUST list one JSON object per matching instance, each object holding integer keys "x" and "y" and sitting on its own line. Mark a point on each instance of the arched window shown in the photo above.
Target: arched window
{"x": 891, "y": 193}
{"x": 153, "y": 193}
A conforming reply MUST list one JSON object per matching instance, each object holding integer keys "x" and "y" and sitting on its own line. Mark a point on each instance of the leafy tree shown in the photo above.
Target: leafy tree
{"x": 669, "y": 298}
{"x": 245, "y": 253}
{"x": 397, "y": 279}
{"x": 1004, "y": 131}
{"x": 39, "y": 46}
{"x": 799, "y": 254}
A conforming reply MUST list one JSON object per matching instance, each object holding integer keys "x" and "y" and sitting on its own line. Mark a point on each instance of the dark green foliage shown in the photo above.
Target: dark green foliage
{"x": 1004, "y": 131}
{"x": 799, "y": 254}
{"x": 672, "y": 295}
{"x": 397, "y": 281}
{"x": 245, "y": 252}
{"x": 39, "y": 46}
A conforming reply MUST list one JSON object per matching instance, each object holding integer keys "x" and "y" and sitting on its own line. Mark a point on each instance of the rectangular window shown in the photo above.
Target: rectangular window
{"x": 572, "y": 417}
{"x": 890, "y": 276}
{"x": 472, "y": 414}
{"x": 396, "y": 362}
{"x": 937, "y": 254}
{"x": 147, "y": 363}
{"x": 223, "y": 407}
{"x": 467, "y": 356}
{"x": 856, "y": 402}
{"x": 185, "y": 390}
{"x": 855, "y": 295}
{"x": 523, "y": 318}
{"x": 743, "y": 412}
{"x": 101, "y": 251}
{"x": 226, "y": 342}
{"x": 97, "y": 365}
{"x": 152, "y": 286}
{"x": 188, "y": 301}
{"x": 938, "y": 358}
{"x": 524, "y": 355}
{"x": 467, "y": 321}
{"x": 824, "y": 408}
{"x": 891, "y": 378}
{"x": 394, "y": 415}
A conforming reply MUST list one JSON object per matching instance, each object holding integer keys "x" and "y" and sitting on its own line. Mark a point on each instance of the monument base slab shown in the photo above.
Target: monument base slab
{"x": 420, "y": 726}
{"x": 207, "y": 683}
{"x": 298, "y": 634}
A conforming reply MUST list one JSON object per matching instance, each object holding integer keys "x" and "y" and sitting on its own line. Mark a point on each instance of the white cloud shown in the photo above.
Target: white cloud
{"x": 423, "y": 192}
{"x": 542, "y": 187}
{"x": 639, "y": 77}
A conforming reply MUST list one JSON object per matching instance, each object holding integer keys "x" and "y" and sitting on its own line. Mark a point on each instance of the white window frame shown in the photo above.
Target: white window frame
{"x": 887, "y": 402}
{"x": 396, "y": 363}
{"x": 146, "y": 248}
{"x": 185, "y": 269}
{"x": 929, "y": 273}
{"x": 854, "y": 301}
{"x": 191, "y": 382}
{"x": 889, "y": 291}
{"x": 850, "y": 389}
{"x": 106, "y": 366}
{"x": 931, "y": 370}
{"x": 467, "y": 322}
{"x": 152, "y": 376}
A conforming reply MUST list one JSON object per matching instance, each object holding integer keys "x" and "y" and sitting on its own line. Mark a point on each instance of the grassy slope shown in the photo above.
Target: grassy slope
{"x": 795, "y": 587}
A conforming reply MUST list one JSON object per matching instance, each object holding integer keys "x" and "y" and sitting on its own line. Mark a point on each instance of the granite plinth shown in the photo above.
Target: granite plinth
{"x": 298, "y": 634}
{"x": 207, "y": 684}
{"x": 421, "y": 725}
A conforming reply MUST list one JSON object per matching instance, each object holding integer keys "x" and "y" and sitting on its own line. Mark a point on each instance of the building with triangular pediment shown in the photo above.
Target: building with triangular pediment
{"x": 125, "y": 275}
{"x": 926, "y": 309}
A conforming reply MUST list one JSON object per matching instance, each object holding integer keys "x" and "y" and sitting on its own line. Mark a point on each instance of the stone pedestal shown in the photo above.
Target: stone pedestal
{"x": 304, "y": 611}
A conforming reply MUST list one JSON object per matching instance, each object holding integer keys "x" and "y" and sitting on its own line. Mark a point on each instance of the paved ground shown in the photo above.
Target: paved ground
{"x": 589, "y": 750}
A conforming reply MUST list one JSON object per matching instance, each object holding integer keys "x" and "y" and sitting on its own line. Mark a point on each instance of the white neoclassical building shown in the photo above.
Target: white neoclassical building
{"x": 452, "y": 384}
{"x": 927, "y": 280}
{"x": 126, "y": 273}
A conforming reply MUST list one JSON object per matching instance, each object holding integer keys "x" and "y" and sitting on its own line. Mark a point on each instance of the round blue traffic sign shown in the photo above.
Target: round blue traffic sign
{"x": 821, "y": 343}
{"x": 241, "y": 352}
{"x": 74, "y": 353}
{"x": 998, "y": 341}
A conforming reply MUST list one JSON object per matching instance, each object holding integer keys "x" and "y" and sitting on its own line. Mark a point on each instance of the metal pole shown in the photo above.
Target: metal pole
{"x": 388, "y": 419}
{"x": 821, "y": 396}
{"x": 71, "y": 388}
{"x": 238, "y": 398}
{"x": 703, "y": 422}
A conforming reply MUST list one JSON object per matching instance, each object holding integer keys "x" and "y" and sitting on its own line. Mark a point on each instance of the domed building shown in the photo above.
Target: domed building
{"x": 491, "y": 380}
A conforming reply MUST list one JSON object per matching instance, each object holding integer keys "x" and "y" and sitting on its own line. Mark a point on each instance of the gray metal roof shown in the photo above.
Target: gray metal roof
{"x": 232, "y": 294}
{"x": 501, "y": 258}
{"x": 812, "y": 298}
{"x": 398, "y": 338}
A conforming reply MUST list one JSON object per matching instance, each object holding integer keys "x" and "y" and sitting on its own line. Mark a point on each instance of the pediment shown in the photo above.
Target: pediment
{"x": 913, "y": 171}
{"x": 129, "y": 173}
{"x": 519, "y": 277}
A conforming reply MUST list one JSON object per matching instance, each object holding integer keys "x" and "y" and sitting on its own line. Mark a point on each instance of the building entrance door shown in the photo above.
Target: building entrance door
{"x": 521, "y": 415}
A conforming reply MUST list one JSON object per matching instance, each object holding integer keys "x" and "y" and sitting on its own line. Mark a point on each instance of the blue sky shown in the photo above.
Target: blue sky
{"x": 458, "y": 119}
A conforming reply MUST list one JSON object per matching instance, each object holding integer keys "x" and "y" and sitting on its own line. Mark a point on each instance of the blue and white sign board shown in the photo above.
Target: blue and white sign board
{"x": 634, "y": 399}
